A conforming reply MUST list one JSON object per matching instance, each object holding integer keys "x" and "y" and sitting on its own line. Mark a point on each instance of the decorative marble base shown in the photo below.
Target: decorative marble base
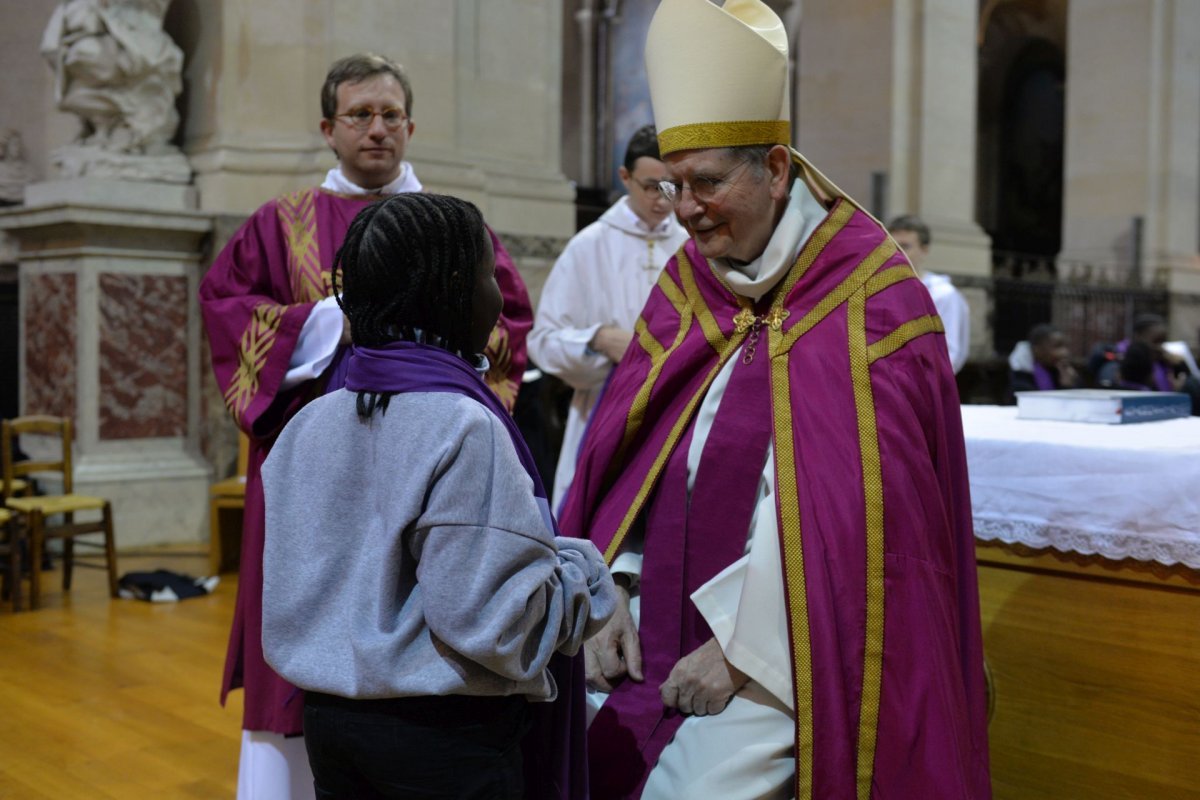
{"x": 76, "y": 161}
{"x": 110, "y": 336}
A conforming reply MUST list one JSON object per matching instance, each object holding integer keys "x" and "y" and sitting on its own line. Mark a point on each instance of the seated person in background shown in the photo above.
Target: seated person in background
{"x": 413, "y": 584}
{"x": 1135, "y": 371}
{"x": 1169, "y": 371}
{"x": 1041, "y": 363}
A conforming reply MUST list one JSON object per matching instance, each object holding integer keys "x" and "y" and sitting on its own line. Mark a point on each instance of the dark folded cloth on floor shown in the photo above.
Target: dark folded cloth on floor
{"x": 164, "y": 586}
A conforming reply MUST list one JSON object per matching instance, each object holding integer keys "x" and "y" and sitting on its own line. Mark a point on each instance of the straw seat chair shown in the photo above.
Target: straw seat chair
{"x": 36, "y": 510}
{"x": 10, "y": 551}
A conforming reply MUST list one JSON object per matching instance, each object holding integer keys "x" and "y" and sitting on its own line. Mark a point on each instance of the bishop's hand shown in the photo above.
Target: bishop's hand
{"x": 702, "y": 682}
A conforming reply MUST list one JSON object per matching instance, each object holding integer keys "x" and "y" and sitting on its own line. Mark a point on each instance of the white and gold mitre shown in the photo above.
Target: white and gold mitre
{"x": 718, "y": 75}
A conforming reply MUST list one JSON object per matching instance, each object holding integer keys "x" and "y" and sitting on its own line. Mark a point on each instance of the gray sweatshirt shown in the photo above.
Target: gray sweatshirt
{"x": 407, "y": 555}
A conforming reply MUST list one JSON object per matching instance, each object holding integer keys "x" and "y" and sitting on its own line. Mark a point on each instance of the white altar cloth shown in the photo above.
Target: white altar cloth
{"x": 1120, "y": 491}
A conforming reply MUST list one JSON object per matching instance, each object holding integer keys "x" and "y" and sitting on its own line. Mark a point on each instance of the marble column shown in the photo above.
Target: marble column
{"x": 890, "y": 86}
{"x": 110, "y": 337}
{"x": 1132, "y": 141}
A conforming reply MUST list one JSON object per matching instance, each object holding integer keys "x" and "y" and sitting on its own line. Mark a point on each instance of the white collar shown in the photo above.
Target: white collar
{"x": 406, "y": 181}
{"x": 801, "y": 217}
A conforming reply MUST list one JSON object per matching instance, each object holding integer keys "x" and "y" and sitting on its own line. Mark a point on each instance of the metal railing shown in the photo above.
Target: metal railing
{"x": 1089, "y": 304}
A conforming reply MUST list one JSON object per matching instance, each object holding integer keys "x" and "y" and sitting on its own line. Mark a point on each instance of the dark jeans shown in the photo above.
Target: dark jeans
{"x": 415, "y": 747}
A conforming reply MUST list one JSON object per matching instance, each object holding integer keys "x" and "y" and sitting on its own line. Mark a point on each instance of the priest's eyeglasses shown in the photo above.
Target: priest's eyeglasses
{"x": 361, "y": 118}
{"x": 704, "y": 188}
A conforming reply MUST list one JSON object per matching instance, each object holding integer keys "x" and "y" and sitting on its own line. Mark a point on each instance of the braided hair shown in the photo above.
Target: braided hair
{"x": 407, "y": 271}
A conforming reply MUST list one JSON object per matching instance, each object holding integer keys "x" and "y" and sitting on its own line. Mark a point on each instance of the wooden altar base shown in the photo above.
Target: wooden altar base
{"x": 1096, "y": 670}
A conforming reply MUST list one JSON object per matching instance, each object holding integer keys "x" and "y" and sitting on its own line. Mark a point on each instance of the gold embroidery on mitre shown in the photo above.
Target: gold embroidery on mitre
{"x": 702, "y": 135}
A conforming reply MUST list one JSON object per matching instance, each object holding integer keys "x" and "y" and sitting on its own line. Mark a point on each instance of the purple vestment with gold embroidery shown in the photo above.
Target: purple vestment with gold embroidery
{"x": 255, "y": 300}
{"x": 851, "y": 383}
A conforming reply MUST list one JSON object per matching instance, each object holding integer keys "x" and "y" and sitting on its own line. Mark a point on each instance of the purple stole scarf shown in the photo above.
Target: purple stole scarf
{"x": 554, "y": 749}
{"x": 1042, "y": 378}
{"x": 871, "y": 499}
{"x": 722, "y": 498}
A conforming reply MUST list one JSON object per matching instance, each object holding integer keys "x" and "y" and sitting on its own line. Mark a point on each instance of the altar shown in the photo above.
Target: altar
{"x": 1088, "y": 545}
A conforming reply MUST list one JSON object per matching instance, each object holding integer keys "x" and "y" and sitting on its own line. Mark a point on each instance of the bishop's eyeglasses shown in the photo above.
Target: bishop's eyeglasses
{"x": 361, "y": 118}
{"x": 704, "y": 188}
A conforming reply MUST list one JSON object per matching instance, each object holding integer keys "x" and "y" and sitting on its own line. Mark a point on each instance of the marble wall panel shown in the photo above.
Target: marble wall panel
{"x": 50, "y": 333}
{"x": 143, "y": 356}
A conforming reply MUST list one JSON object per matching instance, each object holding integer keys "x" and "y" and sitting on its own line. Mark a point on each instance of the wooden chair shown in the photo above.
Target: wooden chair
{"x": 10, "y": 550}
{"x": 227, "y": 495}
{"x": 20, "y": 488}
{"x": 36, "y": 510}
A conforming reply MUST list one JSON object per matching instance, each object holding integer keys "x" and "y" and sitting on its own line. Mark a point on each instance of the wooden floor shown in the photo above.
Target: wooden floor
{"x": 105, "y": 698}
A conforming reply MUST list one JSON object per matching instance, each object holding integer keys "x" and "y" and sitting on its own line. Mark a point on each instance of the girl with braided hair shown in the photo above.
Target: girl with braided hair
{"x": 413, "y": 583}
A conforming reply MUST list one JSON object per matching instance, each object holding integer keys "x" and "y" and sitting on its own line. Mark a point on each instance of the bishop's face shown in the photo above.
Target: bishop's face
{"x": 728, "y": 203}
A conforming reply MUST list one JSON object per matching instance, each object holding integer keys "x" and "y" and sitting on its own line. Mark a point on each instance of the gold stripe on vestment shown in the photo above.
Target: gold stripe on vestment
{"x": 822, "y": 236}
{"x": 889, "y": 277}
{"x": 795, "y": 585}
{"x": 658, "y": 356}
{"x": 913, "y": 329}
{"x": 872, "y": 473}
{"x": 646, "y": 339}
{"x": 704, "y": 315}
{"x": 861, "y": 274}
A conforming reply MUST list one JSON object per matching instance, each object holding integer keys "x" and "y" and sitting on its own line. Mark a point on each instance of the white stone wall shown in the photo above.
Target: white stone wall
{"x": 486, "y": 91}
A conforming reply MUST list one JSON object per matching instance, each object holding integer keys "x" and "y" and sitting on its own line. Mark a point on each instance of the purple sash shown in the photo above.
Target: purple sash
{"x": 555, "y": 749}
{"x": 1042, "y": 378}
{"x": 709, "y": 529}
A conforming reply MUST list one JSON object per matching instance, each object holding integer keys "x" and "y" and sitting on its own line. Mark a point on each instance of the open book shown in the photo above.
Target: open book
{"x": 1109, "y": 406}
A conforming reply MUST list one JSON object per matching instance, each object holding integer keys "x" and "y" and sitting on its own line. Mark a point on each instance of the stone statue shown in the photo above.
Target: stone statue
{"x": 119, "y": 72}
{"x": 14, "y": 171}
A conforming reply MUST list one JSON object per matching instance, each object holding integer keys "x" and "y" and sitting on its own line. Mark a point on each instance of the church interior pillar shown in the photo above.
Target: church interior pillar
{"x": 109, "y": 337}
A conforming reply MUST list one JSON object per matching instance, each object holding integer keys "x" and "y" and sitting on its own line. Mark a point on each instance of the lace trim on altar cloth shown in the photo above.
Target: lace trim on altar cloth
{"x": 1163, "y": 549}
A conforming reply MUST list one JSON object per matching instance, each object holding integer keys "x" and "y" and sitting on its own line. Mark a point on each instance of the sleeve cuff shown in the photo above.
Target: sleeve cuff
{"x": 317, "y": 343}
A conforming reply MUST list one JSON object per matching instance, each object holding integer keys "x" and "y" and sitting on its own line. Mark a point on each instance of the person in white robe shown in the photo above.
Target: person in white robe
{"x": 914, "y": 239}
{"x": 592, "y": 299}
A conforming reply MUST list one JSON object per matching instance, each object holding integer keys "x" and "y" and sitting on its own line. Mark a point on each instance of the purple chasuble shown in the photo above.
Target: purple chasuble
{"x": 872, "y": 506}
